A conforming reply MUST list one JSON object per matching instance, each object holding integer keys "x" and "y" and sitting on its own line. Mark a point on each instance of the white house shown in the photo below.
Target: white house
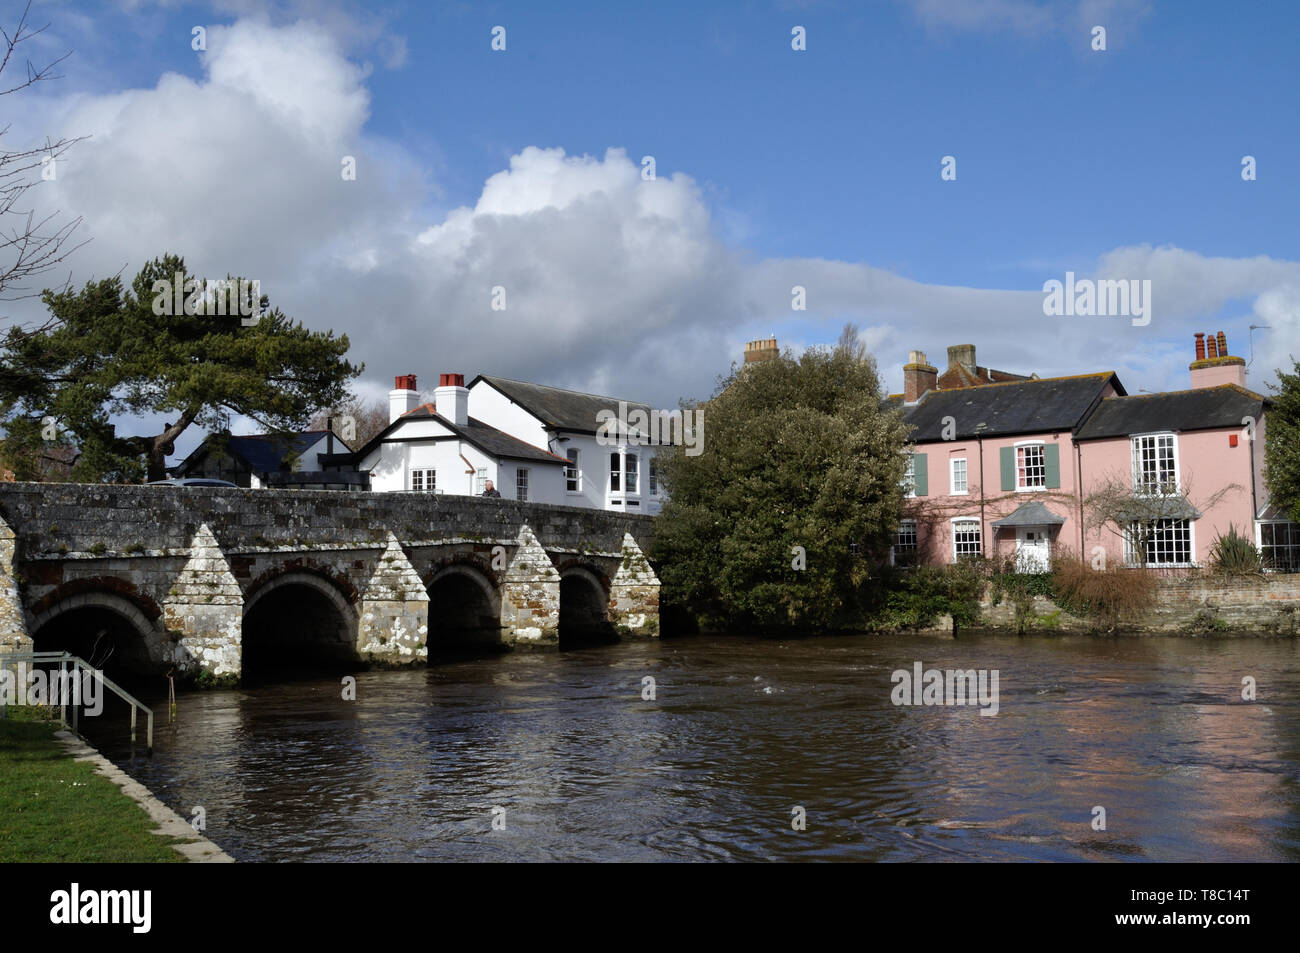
{"x": 605, "y": 469}
{"x": 537, "y": 443}
{"x": 439, "y": 448}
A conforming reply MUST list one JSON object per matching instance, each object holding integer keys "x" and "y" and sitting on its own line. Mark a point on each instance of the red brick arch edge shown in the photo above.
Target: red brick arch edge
{"x": 112, "y": 585}
{"x": 311, "y": 567}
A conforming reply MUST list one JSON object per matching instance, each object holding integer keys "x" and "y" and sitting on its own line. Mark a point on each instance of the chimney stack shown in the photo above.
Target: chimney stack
{"x": 763, "y": 350}
{"x": 963, "y": 354}
{"x": 918, "y": 377}
{"x": 1214, "y": 365}
{"x": 451, "y": 399}
{"x": 402, "y": 397}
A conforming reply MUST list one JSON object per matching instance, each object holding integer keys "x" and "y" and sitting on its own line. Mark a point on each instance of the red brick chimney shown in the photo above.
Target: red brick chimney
{"x": 402, "y": 397}
{"x": 451, "y": 399}
{"x": 761, "y": 350}
{"x": 918, "y": 377}
{"x": 1214, "y": 365}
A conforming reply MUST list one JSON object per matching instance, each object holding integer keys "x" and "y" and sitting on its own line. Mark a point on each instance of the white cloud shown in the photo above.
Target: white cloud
{"x": 1034, "y": 18}
{"x": 613, "y": 284}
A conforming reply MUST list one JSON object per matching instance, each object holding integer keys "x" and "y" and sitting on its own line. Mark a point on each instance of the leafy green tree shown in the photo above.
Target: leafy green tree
{"x": 1282, "y": 443}
{"x": 107, "y": 353}
{"x": 796, "y": 452}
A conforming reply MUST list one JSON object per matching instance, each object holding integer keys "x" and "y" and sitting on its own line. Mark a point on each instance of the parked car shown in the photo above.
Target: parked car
{"x": 192, "y": 481}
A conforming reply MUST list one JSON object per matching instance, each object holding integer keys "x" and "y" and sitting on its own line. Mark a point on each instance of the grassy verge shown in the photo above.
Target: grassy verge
{"x": 53, "y": 808}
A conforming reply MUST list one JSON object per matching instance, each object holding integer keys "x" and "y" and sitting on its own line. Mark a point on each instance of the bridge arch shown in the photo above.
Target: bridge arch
{"x": 298, "y": 620}
{"x": 584, "y": 606}
{"x": 109, "y": 630}
{"x": 464, "y": 607}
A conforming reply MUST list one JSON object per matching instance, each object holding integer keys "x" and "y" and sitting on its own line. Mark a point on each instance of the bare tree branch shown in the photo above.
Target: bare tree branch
{"x": 30, "y": 244}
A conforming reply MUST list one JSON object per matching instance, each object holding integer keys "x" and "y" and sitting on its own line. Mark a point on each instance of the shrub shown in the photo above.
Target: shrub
{"x": 916, "y": 598}
{"x": 1234, "y": 554}
{"x": 1105, "y": 596}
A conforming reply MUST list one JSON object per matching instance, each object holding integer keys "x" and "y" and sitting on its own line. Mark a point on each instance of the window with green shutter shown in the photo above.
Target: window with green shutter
{"x": 920, "y": 477}
{"x": 1052, "y": 462}
{"x": 1007, "y": 455}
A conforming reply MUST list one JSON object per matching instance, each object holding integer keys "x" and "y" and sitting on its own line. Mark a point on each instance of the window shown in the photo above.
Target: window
{"x": 1279, "y": 546}
{"x": 629, "y": 472}
{"x": 965, "y": 538}
{"x": 958, "y": 484}
{"x": 572, "y": 475}
{"x": 903, "y": 550}
{"x": 1159, "y": 543}
{"x": 521, "y": 484}
{"x": 909, "y": 476}
{"x": 615, "y": 472}
{"x": 654, "y": 476}
{"x": 480, "y": 481}
{"x": 424, "y": 481}
{"x": 1155, "y": 469}
{"x": 1031, "y": 467}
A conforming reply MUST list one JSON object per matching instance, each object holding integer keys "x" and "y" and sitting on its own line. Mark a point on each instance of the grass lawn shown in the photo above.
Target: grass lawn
{"x": 53, "y": 808}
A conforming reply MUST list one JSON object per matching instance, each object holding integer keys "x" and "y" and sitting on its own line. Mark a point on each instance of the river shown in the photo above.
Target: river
{"x": 558, "y": 756}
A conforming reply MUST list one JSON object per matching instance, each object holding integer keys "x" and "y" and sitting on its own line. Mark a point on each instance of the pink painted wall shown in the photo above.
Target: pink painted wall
{"x": 1212, "y": 474}
{"x": 1219, "y": 374}
{"x": 1216, "y": 477}
{"x": 936, "y": 510}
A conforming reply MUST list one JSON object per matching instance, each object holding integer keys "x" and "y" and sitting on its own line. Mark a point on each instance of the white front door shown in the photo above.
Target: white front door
{"x": 1033, "y": 550}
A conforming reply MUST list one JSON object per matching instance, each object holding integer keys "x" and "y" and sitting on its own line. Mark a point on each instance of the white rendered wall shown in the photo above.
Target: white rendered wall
{"x": 489, "y": 405}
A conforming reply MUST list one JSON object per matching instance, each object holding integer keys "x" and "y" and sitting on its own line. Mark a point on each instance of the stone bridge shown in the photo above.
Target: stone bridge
{"x": 215, "y": 580}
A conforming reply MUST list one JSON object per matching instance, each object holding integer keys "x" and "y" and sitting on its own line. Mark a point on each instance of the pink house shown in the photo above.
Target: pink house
{"x": 1007, "y": 465}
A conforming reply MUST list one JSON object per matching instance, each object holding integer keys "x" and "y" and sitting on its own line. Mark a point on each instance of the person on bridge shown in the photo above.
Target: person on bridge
{"x": 491, "y": 490}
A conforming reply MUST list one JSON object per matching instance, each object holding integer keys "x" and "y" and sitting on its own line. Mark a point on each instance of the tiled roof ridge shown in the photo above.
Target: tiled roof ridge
{"x": 1193, "y": 390}
{"x": 274, "y": 436}
{"x": 1030, "y": 380}
{"x": 567, "y": 390}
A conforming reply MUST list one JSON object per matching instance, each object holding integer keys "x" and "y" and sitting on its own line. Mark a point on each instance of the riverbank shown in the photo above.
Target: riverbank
{"x": 1193, "y": 604}
{"x": 60, "y": 801}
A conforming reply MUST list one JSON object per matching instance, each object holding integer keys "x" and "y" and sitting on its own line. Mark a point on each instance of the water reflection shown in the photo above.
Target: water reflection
{"x": 742, "y": 730}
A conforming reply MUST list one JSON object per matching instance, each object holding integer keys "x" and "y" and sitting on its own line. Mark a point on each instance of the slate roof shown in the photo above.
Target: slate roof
{"x": 1175, "y": 506}
{"x": 1019, "y": 407}
{"x": 263, "y": 453}
{"x": 1273, "y": 511}
{"x": 489, "y": 439}
{"x": 1202, "y": 408}
{"x": 959, "y": 375}
{"x": 1030, "y": 514}
{"x": 557, "y": 408}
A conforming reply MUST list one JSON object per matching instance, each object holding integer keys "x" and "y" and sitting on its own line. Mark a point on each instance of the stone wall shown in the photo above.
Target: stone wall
{"x": 52, "y": 519}
{"x": 1194, "y": 604}
{"x": 1269, "y": 603}
{"x": 184, "y": 565}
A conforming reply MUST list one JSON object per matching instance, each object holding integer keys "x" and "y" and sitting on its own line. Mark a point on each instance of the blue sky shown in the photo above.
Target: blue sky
{"x": 774, "y": 167}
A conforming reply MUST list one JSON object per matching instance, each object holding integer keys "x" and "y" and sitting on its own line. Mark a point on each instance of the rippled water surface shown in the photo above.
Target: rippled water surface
{"x": 741, "y": 731}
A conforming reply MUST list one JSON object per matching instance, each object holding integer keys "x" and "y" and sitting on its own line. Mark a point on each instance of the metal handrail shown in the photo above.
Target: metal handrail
{"x": 64, "y": 658}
